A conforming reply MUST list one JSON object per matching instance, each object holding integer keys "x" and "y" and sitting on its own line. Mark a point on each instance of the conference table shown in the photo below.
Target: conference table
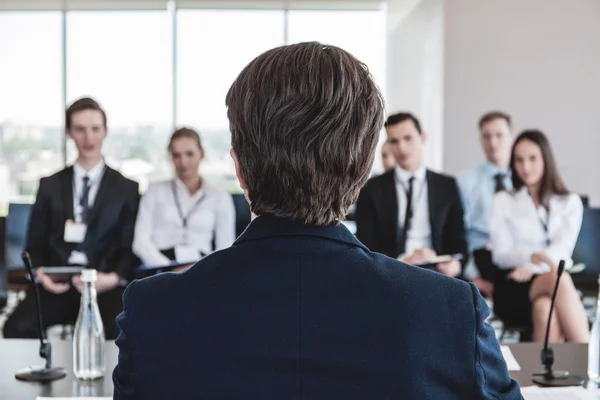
{"x": 17, "y": 353}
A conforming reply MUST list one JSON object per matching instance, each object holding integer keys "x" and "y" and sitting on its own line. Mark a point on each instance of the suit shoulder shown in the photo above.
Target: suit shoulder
{"x": 445, "y": 181}
{"x": 380, "y": 180}
{"x": 155, "y": 286}
{"x": 57, "y": 175}
{"x": 130, "y": 184}
{"x": 441, "y": 177}
{"x": 422, "y": 285}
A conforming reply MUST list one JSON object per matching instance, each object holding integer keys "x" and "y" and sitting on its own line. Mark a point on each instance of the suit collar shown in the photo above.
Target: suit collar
{"x": 403, "y": 175}
{"x": 95, "y": 174}
{"x": 268, "y": 226}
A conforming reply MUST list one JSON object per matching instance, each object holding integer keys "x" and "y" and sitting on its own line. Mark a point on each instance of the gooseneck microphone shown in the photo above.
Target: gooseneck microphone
{"x": 549, "y": 377}
{"x": 39, "y": 373}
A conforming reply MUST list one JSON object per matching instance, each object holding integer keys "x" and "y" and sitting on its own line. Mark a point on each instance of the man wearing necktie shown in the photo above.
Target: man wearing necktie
{"x": 412, "y": 213}
{"x": 83, "y": 215}
{"x": 478, "y": 187}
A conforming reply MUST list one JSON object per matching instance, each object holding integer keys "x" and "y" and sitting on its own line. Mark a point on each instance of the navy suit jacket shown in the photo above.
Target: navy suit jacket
{"x": 292, "y": 311}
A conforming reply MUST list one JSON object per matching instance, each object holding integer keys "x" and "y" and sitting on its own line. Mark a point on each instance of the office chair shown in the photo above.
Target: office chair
{"x": 242, "y": 213}
{"x": 587, "y": 252}
{"x": 17, "y": 222}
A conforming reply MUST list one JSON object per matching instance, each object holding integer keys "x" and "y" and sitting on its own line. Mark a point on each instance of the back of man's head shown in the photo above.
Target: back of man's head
{"x": 305, "y": 120}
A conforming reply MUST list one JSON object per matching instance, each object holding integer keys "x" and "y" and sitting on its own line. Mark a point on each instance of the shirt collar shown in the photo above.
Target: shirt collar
{"x": 94, "y": 174}
{"x": 403, "y": 175}
{"x": 493, "y": 170}
{"x": 181, "y": 186}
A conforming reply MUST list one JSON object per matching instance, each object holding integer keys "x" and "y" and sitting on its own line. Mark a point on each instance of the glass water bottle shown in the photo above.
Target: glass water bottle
{"x": 88, "y": 338}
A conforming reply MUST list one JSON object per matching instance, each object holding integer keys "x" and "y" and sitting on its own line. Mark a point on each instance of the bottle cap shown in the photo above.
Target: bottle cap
{"x": 89, "y": 275}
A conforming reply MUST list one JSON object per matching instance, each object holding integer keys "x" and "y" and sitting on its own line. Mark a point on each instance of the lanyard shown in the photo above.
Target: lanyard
{"x": 545, "y": 226}
{"x": 184, "y": 218}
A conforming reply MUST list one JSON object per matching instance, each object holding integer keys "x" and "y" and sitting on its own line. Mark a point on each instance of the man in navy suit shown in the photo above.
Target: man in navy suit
{"x": 298, "y": 308}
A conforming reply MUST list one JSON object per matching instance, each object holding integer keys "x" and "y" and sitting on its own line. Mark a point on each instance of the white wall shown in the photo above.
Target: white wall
{"x": 538, "y": 60}
{"x": 415, "y": 67}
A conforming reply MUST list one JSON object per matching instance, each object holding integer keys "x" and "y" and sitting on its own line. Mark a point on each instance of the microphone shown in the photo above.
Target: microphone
{"x": 39, "y": 373}
{"x": 549, "y": 377}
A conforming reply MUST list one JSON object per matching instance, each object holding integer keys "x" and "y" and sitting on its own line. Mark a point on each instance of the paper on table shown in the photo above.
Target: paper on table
{"x": 567, "y": 393}
{"x": 511, "y": 361}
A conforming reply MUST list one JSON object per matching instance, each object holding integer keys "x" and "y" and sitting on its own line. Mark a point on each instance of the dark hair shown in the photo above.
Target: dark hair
{"x": 400, "y": 117}
{"x": 493, "y": 115}
{"x": 185, "y": 133}
{"x": 305, "y": 120}
{"x": 552, "y": 182}
{"x": 85, "y": 103}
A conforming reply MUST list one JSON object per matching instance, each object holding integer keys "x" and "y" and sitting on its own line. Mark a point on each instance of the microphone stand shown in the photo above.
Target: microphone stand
{"x": 549, "y": 377}
{"x": 39, "y": 373}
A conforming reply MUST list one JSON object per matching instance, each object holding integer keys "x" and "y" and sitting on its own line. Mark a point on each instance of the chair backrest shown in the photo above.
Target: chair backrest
{"x": 3, "y": 274}
{"x": 242, "y": 213}
{"x": 587, "y": 249}
{"x": 17, "y": 222}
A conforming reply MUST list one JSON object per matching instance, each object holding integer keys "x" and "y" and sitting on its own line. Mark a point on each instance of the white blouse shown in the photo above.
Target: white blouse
{"x": 210, "y": 213}
{"x": 519, "y": 229}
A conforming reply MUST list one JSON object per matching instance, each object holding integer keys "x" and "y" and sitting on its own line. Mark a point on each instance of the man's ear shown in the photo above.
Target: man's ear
{"x": 424, "y": 136}
{"x": 238, "y": 171}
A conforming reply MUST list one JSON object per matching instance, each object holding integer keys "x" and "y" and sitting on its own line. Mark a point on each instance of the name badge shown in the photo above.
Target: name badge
{"x": 184, "y": 254}
{"x": 74, "y": 231}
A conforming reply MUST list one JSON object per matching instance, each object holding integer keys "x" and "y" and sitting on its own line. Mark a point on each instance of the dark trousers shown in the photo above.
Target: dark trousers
{"x": 61, "y": 309}
{"x": 511, "y": 299}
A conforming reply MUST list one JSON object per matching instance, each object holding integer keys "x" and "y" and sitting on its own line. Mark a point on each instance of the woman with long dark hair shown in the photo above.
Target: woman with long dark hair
{"x": 532, "y": 229}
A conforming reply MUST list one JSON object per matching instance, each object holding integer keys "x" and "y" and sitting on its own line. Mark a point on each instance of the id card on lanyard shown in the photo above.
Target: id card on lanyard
{"x": 185, "y": 218}
{"x": 186, "y": 252}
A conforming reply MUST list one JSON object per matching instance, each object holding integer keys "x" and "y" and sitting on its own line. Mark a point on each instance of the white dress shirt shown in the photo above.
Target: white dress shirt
{"x": 419, "y": 234}
{"x": 519, "y": 229}
{"x": 95, "y": 174}
{"x": 159, "y": 226}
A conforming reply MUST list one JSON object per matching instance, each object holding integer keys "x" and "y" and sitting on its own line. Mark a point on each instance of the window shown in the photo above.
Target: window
{"x": 30, "y": 102}
{"x": 213, "y": 46}
{"x": 124, "y": 61}
{"x": 362, "y": 33}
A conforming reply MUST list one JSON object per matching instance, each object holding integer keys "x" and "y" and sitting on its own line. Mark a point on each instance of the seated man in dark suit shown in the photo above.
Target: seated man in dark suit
{"x": 298, "y": 308}
{"x": 83, "y": 215}
{"x": 410, "y": 212}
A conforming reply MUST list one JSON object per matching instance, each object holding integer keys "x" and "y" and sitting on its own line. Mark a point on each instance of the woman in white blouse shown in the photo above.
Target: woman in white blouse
{"x": 535, "y": 227}
{"x": 180, "y": 219}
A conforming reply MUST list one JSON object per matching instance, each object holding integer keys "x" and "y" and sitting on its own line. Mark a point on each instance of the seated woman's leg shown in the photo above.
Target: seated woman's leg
{"x": 569, "y": 310}
{"x": 540, "y": 312}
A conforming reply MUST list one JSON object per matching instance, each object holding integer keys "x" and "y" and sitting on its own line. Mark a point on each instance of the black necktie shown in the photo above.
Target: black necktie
{"x": 408, "y": 215}
{"x": 84, "y": 200}
{"x": 500, "y": 186}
